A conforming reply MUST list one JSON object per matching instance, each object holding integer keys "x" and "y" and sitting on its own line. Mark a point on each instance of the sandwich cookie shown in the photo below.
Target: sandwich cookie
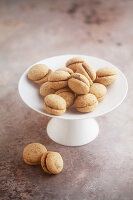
{"x": 45, "y": 89}
{"x": 99, "y": 90}
{"x": 39, "y": 73}
{"x": 79, "y": 84}
{"x": 86, "y": 103}
{"x": 32, "y": 153}
{"x": 52, "y": 162}
{"x": 68, "y": 95}
{"x": 87, "y": 71}
{"x": 106, "y": 75}
{"x": 66, "y": 70}
{"x": 74, "y": 63}
{"x": 58, "y": 79}
{"x": 54, "y": 104}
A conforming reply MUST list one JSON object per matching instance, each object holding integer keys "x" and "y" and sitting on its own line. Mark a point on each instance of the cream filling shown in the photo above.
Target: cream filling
{"x": 58, "y": 81}
{"x": 46, "y": 164}
{"x": 74, "y": 63}
{"x": 52, "y": 108}
{"x": 87, "y": 71}
{"x": 80, "y": 79}
{"x": 105, "y": 76}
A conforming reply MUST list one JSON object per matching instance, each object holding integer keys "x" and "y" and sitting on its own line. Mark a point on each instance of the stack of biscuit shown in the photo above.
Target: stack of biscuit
{"x": 76, "y": 84}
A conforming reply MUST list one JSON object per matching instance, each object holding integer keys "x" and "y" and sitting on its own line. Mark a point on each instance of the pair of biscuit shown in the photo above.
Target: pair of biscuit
{"x": 52, "y": 162}
{"x": 99, "y": 90}
{"x": 105, "y": 76}
{"x": 66, "y": 93}
{"x": 57, "y": 80}
{"x": 36, "y": 153}
{"x": 58, "y": 97}
{"x": 56, "y": 104}
{"x": 79, "y": 84}
{"x": 79, "y": 65}
{"x": 88, "y": 102}
{"x": 39, "y": 73}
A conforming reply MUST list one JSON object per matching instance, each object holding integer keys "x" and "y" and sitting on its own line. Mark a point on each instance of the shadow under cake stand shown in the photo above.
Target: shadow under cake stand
{"x": 73, "y": 128}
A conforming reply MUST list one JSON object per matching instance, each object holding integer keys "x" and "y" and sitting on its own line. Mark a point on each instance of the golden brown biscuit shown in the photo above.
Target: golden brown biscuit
{"x": 66, "y": 70}
{"x": 54, "y": 104}
{"x": 58, "y": 79}
{"x": 87, "y": 71}
{"x": 106, "y": 76}
{"x": 39, "y": 73}
{"x": 73, "y": 63}
{"x": 79, "y": 84}
{"x": 45, "y": 78}
{"x": 52, "y": 162}
{"x": 45, "y": 89}
{"x": 99, "y": 90}
{"x": 68, "y": 95}
{"x": 86, "y": 103}
{"x": 32, "y": 153}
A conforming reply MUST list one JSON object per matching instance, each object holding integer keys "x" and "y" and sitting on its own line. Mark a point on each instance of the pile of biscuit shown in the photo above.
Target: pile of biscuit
{"x": 36, "y": 153}
{"x": 77, "y": 83}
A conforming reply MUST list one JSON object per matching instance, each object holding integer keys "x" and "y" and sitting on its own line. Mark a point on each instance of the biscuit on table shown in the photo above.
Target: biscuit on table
{"x": 87, "y": 71}
{"x": 99, "y": 90}
{"x": 106, "y": 75}
{"x": 45, "y": 89}
{"x": 54, "y": 104}
{"x": 39, "y": 73}
{"x": 32, "y": 153}
{"x": 73, "y": 63}
{"x": 52, "y": 162}
{"x": 86, "y": 103}
{"x": 78, "y": 83}
{"x": 68, "y": 95}
{"x": 58, "y": 79}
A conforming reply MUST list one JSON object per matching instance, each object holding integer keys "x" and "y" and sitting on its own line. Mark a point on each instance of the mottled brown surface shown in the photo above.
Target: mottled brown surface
{"x": 31, "y": 31}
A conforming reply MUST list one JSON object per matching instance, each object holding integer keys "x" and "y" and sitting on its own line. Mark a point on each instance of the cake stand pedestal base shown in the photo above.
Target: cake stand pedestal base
{"x": 72, "y": 132}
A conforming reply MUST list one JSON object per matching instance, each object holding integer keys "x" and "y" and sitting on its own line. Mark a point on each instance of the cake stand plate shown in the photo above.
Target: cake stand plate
{"x": 73, "y": 128}
{"x": 72, "y": 133}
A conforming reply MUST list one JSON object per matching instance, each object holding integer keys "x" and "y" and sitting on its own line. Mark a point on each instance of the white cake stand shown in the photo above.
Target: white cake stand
{"x": 73, "y": 128}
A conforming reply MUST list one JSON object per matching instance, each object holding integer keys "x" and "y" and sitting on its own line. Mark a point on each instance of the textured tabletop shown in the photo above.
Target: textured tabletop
{"x": 31, "y": 31}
